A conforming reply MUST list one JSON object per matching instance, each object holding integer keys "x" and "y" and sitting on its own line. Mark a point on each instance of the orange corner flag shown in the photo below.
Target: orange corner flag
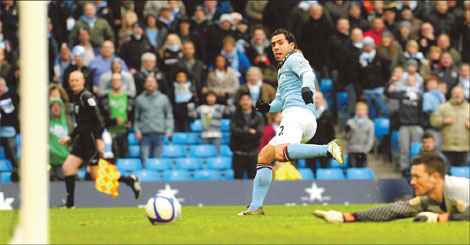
{"x": 107, "y": 180}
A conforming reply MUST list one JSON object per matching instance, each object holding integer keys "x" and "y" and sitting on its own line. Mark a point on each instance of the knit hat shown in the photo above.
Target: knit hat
{"x": 411, "y": 63}
{"x": 78, "y": 50}
{"x": 368, "y": 40}
{"x": 387, "y": 33}
{"x": 405, "y": 23}
{"x": 226, "y": 17}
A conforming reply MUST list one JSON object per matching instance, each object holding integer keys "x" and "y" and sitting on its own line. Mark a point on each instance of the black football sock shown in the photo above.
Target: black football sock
{"x": 126, "y": 179}
{"x": 70, "y": 187}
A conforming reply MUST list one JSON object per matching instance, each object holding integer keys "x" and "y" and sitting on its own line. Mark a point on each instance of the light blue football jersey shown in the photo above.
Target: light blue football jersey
{"x": 292, "y": 76}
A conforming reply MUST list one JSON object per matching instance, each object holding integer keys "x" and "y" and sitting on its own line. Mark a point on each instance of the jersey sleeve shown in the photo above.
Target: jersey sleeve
{"x": 90, "y": 101}
{"x": 276, "y": 104}
{"x": 300, "y": 66}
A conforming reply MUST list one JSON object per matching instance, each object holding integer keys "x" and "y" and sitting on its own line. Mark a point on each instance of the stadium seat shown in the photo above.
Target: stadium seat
{"x": 306, "y": 173}
{"x": 134, "y": 151}
{"x": 359, "y": 173}
{"x": 188, "y": 163}
{"x": 158, "y": 164}
{"x": 196, "y": 125}
{"x": 225, "y": 151}
{"x": 219, "y": 163}
{"x": 341, "y": 100}
{"x": 166, "y": 140}
{"x": 208, "y": 174}
{"x": 181, "y": 138}
{"x": 228, "y": 174}
{"x": 132, "y": 140}
{"x": 225, "y": 125}
{"x": 226, "y": 137}
{"x": 335, "y": 164}
{"x": 5, "y": 177}
{"x": 148, "y": 175}
{"x": 81, "y": 173}
{"x": 5, "y": 165}
{"x": 128, "y": 164}
{"x": 395, "y": 140}
{"x": 326, "y": 85}
{"x": 2, "y": 153}
{"x": 330, "y": 173}
{"x": 173, "y": 151}
{"x": 415, "y": 148}
{"x": 301, "y": 163}
{"x": 460, "y": 171}
{"x": 176, "y": 175}
{"x": 382, "y": 127}
{"x": 203, "y": 151}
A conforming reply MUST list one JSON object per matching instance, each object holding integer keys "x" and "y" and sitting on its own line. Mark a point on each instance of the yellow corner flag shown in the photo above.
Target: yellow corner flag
{"x": 107, "y": 180}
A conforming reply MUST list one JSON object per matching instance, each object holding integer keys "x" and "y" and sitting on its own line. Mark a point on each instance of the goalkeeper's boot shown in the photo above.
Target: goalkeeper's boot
{"x": 136, "y": 185}
{"x": 336, "y": 151}
{"x": 258, "y": 211}
{"x": 330, "y": 216}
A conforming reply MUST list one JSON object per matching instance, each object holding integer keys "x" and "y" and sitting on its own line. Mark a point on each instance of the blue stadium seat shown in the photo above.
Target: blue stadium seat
{"x": 148, "y": 175}
{"x": 5, "y": 165}
{"x": 460, "y": 171}
{"x": 207, "y": 175}
{"x": 81, "y": 173}
{"x": 226, "y": 137}
{"x": 182, "y": 138}
{"x": 18, "y": 140}
{"x": 306, "y": 173}
{"x": 335, "y": 164}
{"x": 341, "y": 100}
{"x": 382, "y": 127}
{"x": 301, "y": 163}
{"x": 359, "y": 173}
{"x": 326, "y": 85}
{"x": 2, "y": 153}
{"x": 128, "y": 164}
{"x": 5, "y": 177}
{"x": 132, "y": 140}
{"x": 176, "y": 175}
{"x": 188, "y": 163}
{"x": 134, "y": 151}
{"x": 415, "y": 148}
{"x": 158, "y": 164}
{"x": 329, "y": 173}
{"x": 203, "y": 151}
{"x": 395, "y": 140}
{"x": 196, "y": 125}
{"x": 228, "y": 174}
{"x": 225, "y": 151}
{"x": 166, "y": 140}
{"x": 219, "y": 163}
{"x": 225, "y": 125}
{"x": 173, "y": 151}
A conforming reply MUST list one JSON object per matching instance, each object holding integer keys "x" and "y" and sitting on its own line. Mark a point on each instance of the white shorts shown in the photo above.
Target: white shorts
{"x": 298, "y": 125}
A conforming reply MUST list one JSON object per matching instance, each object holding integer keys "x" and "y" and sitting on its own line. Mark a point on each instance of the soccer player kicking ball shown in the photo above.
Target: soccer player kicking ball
{"x": 439, "y": 197}
{"x": 294, "y": 97}
{"x": 87, "y": 144}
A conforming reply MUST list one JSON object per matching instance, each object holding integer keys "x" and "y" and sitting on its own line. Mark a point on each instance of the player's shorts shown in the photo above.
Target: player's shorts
{"x": 84, "y": 147}
{"x": 298, "y": 125}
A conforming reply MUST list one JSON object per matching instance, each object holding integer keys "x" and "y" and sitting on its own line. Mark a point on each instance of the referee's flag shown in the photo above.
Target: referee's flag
{"x": 107, "y": 180}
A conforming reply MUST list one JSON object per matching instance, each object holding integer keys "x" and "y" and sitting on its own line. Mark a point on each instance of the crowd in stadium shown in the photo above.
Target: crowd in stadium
{"x": 158, "y": 67}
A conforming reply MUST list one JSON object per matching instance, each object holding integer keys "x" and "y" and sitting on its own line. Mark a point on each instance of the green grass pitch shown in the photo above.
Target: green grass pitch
{"x": 220, "y": 225}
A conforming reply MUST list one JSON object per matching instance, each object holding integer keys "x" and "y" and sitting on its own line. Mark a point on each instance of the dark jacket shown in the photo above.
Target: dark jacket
{"x": 197, "y": 73}
{"x": 105, "y": 108}
{"x": 325, "y": 129}
{"x": 353, "y": 68}
{"x": 132, "y": 50}
{"x": 448, "y": 75}
{"x": 215, "y": 40}
{"x": 376, "y": 73}
{"x": 241, "y": 139}
{"x": 87, "y": 115}
{"x": 139, "y": 80}
{"x": 410, "y": 112}
{"x": 443, "y": 23}
{"x": 314, "y": 39}
{"x": 9, "y": 110}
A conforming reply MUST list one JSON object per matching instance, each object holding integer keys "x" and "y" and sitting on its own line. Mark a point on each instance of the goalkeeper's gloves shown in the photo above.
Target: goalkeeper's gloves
{"x": 307, "y": 95}
{"x": 330, "y": 216}
{"x": 262, "y": 106}
{"x": 431, "y": 217}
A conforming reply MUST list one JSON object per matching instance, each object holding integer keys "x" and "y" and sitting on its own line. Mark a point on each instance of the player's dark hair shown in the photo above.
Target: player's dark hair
{"x": 433, "y": 163}
{"x": 428, "y": 136}
{"x": 289, "y": 36}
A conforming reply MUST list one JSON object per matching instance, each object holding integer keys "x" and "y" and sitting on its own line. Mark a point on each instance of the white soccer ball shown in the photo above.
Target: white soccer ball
{"x": 163, "y": 209}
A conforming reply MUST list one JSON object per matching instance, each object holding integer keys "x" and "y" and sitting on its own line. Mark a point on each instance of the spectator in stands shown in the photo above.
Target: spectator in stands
{"x": 353, "y": 69}
{"x": 200, "y": 25}
{"x": 429, "y": 145}
{"x": 58, "y": 92}
{"x": 412, "y": 52}
{"x": 259, "y": 48}
{"x": 356, "y": 18}
{"x": 155, "y": 6}
{"x": 390, "y": 19}
{"x": 337, "y": 46}
{"x": 453, "y": 118}
{"x": 413, "y": 22}
{"x": 8, "y": 125}
{"x": 242, "y": 35}
{"x": 212, "y": 11}
{"x": 448, "y": 72}
{"x": 102, "y": 63}
{"x": 376, "y": 30}
{"x": 359, "y": 133}
{"x": 60, "y": 125}
{"x": 298, "y": 16}
{"x": 246, "y": 127}
{"x": 404, "y": 34}
{"x": 216, "y": 35}
{"x": 4, "y": 65}
{"x": 10, "y": 22}
{"x": 410, "y": 111}
{"x": 105, "y": 86}
{"x": 432, "y": 98}
{"x": 177, "y": 8}
{"x": 132, "y": 50}
{"x": 432, "y": 63}
{"x": 325, "y": 131}
{"x": 314, "y": 38}
{"x": 170, "y": 53}
{"x": 464, "y": 79}
{"x": 7, "y": 46}
{"x": 222, "y": 80}
{"x": 186, "y": 34}
{"x": 441, "y": 19}
{"x": 183, "y": 93}
{"x": 374, "y": 74}
{"x": 235, "y": 59}
{"x": 412, "y": 70}
{"x": 254, "y": 11}
{"x": 394, "y": 104}
{"x": 99, "y": 28}
{"x": 61, "y": 63}
{"x": 117, "y": 109}
{"x": 149, "y": 68}
{"x": 155, "y": 35}
{"x": 153, "y": 119}
{"x": 78, "y": 55}
{"x": 130, "y": 18}
{"x": 166, "y": 19}
{"x": 270, "y": 130}
{"x": 463, "y": 34}
{"x": 377, "y": 11}
{"x": 337, "y": 9}
{"x": 443, "y": 42}
{"x": 426, "y": 37}
{"x": 390, "y": 50}
{"x": 84, "y": 41}
{"x": 210, "y": 115}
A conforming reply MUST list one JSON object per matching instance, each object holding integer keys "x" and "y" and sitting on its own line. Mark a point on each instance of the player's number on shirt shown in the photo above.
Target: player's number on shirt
{"x": 282, "y": 130}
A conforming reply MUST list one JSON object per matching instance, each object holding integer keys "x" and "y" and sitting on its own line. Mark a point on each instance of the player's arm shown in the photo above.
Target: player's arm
{"x": 275, "y": 106}
{"x": 304, "y": 71}
{"x": 90, "y": 101}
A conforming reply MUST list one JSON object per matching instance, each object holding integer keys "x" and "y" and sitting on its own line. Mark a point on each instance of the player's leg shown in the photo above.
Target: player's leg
{"x": 70, "y": 168}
